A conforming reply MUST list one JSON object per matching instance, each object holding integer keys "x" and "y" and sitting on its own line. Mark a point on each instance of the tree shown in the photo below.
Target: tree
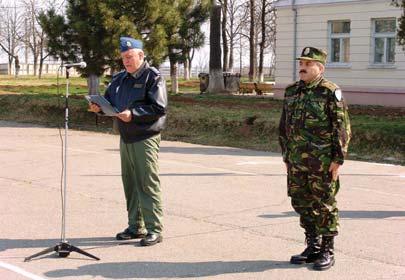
{"x": 190, "y": 32}
{"x": 401, "y": 22}
{"x": 225, "y": 46}
{"x": 252, "y": 44}
{"x": 33, "y": 35}
{"x": 10, "y": 26}
{"x": 216, "y": 79}
{"x": 256, "y": 31}
{"x": 147, "y": 19}
{"x": 84, "y": 33}
{"x": 236, "y": 13}
{"x": 182, "y": 20}
{"x": 172, "y": 26}
{"x": 267, "y": 32}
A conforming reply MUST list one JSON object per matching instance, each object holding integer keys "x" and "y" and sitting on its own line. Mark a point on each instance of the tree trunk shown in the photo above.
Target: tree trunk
{"x": 93, "y": 82}
{"x": 216, "y": 79}
{"x": 231, "y": 46}
{"x": 41, "y": 64}
{"x": 252, "y": 45}
{"x": 231, "y": 38}
{"x": 35, "y": 65}
{"x": 10, "y": 64}
{"x": 263, "y": 29}
{"x": 174, "y": 77}
{"x": 224, "y": 36}
{"x": 190, "y": 69}
{"x": 190, "y": 62}
{"x": 186, "y": 66}
{"x": 16, "y": 66}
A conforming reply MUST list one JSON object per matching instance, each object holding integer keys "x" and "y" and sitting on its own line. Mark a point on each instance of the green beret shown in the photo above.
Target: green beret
{"x": 311, "y": 53}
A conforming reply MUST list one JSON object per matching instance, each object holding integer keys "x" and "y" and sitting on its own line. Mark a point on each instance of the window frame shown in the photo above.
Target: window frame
{"x": 341, "y": 37}
{"x": 385, "y": 36}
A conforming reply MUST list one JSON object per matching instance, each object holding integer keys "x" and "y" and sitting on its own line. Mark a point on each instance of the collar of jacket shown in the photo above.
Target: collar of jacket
{"x": 315, "y": 82}
{"x": 140, "y": 71}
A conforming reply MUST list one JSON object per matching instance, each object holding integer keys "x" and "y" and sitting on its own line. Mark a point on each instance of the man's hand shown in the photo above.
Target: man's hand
{"x": 94, "y": 108}
{"x": 125, "y": 116}
{"x": 334, "y": 170}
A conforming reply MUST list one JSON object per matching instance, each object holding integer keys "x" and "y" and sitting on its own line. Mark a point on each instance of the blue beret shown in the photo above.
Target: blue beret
{"x": 127, "y": 43}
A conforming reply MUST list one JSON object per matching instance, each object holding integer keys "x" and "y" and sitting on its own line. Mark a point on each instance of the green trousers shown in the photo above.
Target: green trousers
{"x": 140, "y": 177}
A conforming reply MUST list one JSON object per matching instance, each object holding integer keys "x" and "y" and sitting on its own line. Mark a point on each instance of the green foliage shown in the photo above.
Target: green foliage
{"x": 190, "y": 30}
{"x": 87, "y": 32}
{"x": 139, "y": 19}
{"x": 401, "y": 22}
{"x": 90, "y": 29}
{"x": 182, "y": 21}
{"x": 221, "y": 120}
{"x": 226, "y": 120}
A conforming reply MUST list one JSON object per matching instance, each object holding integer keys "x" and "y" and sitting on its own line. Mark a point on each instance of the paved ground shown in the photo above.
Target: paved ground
{"x": 227, "y": 214}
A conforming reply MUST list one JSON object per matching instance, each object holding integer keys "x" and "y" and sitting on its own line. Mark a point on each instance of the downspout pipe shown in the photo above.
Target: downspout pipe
{"x": 295, "y": 15}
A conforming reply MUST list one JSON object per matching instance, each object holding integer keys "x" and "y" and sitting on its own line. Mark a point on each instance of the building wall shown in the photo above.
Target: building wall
{"x": 312, "y": 30}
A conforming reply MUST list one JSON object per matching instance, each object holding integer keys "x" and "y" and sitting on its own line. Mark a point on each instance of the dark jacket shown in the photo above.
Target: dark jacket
{"x": 144, "y": 94}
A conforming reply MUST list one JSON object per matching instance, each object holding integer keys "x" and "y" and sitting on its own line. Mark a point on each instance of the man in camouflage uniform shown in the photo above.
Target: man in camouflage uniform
{"x": 314, "y": 137}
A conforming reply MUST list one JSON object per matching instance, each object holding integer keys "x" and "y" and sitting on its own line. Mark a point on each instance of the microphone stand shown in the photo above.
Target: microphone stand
{"x": 63, "y": 248}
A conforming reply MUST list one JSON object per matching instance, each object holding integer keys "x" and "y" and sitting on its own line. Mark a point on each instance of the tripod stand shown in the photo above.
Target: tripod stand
{"x": 63, "y": 248}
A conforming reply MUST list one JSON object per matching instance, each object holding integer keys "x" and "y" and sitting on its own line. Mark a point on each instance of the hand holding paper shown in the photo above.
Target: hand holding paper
{"x": 100, "y": 103}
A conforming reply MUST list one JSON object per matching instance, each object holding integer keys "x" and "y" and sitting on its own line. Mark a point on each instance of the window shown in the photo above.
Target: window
{"x": 384, "y": 41}
{"x": 339, "y": 42}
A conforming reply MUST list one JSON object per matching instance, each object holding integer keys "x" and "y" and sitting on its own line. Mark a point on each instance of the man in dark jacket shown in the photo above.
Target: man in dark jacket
{"x": 139, "y": 94}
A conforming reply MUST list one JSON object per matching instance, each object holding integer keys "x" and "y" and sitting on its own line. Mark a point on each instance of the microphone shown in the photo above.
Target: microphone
{"x": 81, "y": 64}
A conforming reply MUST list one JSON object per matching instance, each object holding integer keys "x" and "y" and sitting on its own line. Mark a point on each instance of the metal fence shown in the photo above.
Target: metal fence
{"x": 52, "y": 68}
{"x": 28, "y": 69}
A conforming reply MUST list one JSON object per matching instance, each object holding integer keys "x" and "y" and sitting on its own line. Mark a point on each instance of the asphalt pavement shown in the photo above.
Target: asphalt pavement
{"x": 227, "y": 214}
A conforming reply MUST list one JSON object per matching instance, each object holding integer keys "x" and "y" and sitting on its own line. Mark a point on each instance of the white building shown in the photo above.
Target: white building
{"x": 364, "y": 58}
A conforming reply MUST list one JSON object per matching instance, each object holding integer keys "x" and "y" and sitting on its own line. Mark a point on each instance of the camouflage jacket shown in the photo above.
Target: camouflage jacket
{"x": 314, "y": 125}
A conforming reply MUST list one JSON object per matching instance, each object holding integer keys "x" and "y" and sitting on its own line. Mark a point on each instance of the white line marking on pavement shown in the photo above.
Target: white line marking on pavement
{"x": 380, "y": 192}
{"x": 376, "y": 163}
{"x": 76, "y": 150}
{"x": 20, "y": 271}
{"x": 257, "y": 162}
{"x": 207, "y": 167}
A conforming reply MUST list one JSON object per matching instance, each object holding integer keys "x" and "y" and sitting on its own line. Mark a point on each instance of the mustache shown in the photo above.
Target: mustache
{"x": 303, "y": 71}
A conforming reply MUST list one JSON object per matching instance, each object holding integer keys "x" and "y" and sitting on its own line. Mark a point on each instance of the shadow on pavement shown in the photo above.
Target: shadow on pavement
{"x": 154, "y": 270}
{"x": 219, "y": 174}
{"x": 236, "y": 173}
{"x": 192, "y": 174}
{"x": 40, "y": 244}
{"x": 346, "y": 214}
{"x": 201, "y": 150}
{"x": 13, "y": 124}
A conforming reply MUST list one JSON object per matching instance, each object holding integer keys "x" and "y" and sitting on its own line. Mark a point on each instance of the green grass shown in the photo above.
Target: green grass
{"x": 236, "y": 121}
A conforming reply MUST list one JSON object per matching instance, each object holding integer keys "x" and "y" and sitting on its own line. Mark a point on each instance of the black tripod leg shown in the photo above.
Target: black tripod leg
{"x": 80, "y": 251}
{"x": 46, "y": 251}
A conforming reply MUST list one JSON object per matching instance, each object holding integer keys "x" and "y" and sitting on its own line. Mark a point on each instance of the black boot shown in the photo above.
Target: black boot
{"x": 326, "y": 257}
{"x": 310, "y": 253}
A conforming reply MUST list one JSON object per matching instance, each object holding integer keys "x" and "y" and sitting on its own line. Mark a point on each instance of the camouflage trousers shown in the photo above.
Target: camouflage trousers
{"x": 313, "y": 198}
